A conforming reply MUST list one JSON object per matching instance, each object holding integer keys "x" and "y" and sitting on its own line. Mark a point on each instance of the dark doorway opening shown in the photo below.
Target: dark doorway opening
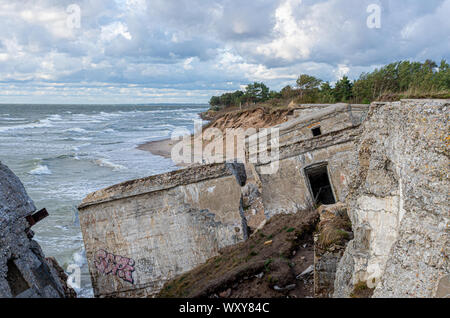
{"x": 316, "y": 131}
{"x": 320, "y": 184}
{"x": 15, "y": 279}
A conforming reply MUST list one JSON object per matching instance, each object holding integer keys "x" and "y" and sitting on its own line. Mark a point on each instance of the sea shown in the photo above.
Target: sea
{"x": 61, "y": 153}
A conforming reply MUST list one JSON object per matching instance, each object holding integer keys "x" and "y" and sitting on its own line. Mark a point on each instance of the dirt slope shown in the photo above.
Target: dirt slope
{"x": 259, "y": 117}
{"x": 264, "y": 266}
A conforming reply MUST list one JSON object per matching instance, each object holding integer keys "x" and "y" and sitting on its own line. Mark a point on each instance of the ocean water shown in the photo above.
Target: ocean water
{"x": 63, "y": 152}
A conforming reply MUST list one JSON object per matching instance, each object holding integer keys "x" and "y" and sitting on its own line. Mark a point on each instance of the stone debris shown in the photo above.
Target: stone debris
{"x": 306, "y": 272}
{"x": 288, "y": 287}
{"x": 260, "y": 275}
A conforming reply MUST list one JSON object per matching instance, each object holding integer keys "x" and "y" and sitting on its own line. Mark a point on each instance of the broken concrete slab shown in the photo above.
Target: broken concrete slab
{"x": 141, "y": 233}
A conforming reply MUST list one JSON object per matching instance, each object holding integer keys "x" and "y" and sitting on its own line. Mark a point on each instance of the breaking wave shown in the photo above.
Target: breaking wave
{"x": 40, "y": 170}
{"x": 45, "y": 123}
{"x": 109, "y": 164}
{"x": 76, "y": 130}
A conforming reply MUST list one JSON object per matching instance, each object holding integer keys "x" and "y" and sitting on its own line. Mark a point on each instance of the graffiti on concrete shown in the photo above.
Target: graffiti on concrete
{"x": 122, "y": 267}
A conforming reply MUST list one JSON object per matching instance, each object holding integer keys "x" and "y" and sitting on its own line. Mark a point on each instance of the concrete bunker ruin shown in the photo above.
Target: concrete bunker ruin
{"x": 317, "y": 154}
{"x": 319, "y": 184}
{"x": 142, "y": 233}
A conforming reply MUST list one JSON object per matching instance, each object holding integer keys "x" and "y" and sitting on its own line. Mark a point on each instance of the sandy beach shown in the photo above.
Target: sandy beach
{"x": 161, "y": 148}
{"x": 164, "y": 147}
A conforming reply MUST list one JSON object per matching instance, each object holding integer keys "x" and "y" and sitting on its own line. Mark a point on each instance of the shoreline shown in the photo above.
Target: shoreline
{"x": 162, "y": 148}
{"x": 248, "y": 118}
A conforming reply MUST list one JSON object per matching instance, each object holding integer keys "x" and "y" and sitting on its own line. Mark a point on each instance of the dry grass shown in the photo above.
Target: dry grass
{"x": 334, "y": 231}
{"x": 361, "y": 290}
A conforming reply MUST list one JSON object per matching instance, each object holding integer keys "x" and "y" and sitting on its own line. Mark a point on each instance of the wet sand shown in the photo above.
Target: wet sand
{"x": 161, "y": 148}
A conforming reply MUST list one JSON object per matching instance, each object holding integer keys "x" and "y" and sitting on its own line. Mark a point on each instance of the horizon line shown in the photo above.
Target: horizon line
{"x": 107, "y": 104}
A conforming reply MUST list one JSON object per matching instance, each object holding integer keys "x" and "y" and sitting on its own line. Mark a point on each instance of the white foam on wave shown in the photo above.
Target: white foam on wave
{"x": 45, "y": 123}
{"x": 76, "y": 130}
{"x": 78, "y": 147}
{"x": 12, "y": 119}
{"x": 79, "y": 257}
{"x": 104, "y": 114}
{"x": 106, "y": 163}
{"x": 40, "y": 170}
{"x": 84, "y": 118}
{"x": 55, "y": 117}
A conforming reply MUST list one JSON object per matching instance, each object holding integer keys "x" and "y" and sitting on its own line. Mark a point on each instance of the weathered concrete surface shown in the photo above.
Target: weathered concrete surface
{"x": 399, "y": 202}
{"x": 304, "y": 110}
{"x": 141, "y": 233}
{"x": 288, "y": 190}
{"x": 24, "y": 272}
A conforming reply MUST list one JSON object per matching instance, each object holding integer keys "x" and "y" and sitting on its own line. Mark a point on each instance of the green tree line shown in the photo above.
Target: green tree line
{"x": 394, "y": 81}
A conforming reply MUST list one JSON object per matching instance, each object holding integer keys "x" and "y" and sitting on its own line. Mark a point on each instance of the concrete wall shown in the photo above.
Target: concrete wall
{"x": 287, "y": 190}
{"x": 398, "y": 203}
{"x": 140, "y": 234}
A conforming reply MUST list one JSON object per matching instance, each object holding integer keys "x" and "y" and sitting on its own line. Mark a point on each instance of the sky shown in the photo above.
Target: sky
{"x": 185, "y": 51}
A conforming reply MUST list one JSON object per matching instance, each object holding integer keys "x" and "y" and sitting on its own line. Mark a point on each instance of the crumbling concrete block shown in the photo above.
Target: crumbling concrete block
{"x": 141, "y": 233}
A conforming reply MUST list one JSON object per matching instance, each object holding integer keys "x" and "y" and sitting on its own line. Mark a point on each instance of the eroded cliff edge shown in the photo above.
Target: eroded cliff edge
{"x": 398, "y": 203}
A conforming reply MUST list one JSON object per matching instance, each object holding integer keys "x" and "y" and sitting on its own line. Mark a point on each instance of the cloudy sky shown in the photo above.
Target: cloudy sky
{"x": 175, "y": 51}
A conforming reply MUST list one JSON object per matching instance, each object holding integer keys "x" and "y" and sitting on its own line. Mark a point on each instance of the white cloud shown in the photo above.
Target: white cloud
{"x": 187, "y": 63}
{"x": 113, "y": 30}
{"x": 342, "y": 70}
{"x": 291, "y": 40}
{"x": 201, "y": 46}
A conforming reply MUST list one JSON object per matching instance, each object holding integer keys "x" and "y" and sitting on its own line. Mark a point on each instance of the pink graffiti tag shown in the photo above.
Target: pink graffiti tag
{"x": 122, "y": 267}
